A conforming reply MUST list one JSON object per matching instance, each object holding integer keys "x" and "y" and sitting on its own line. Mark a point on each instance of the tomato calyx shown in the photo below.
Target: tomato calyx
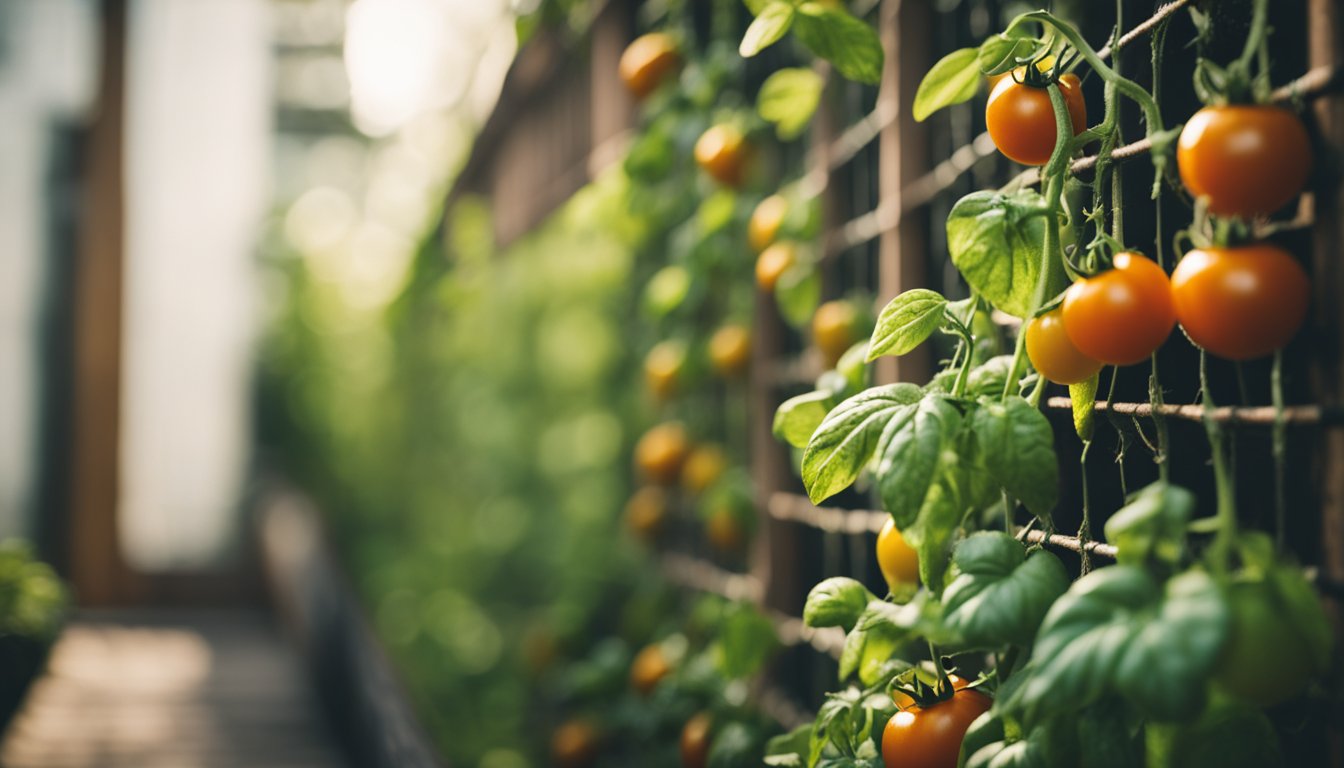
{"x": 927, "y": 687}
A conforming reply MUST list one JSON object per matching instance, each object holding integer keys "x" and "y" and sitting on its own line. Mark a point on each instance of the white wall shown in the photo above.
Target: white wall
{"x": 197, "y": 163}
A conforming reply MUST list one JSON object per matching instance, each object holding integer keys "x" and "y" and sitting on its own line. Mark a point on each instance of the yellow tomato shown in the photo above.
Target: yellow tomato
{"x": 834, "y": 327}
{"x": 646, "y": 511}
{"x": 730, "y": 350}
{"x": 647, "y": 61}
{"x": 703, "y": 468}
{"x": 897, "y": 560}
{"x": 660, "y": 453}
{"x": 765, "y": 222}
{"x": 773, "y": 262}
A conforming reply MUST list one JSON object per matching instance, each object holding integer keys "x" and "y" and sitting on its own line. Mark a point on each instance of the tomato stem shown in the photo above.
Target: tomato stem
{"x": 942, "y": 684}
{"x": 1085, "y": 528}
{"x": 1280, "y": 449}
{"x": 1154, "y": 382}
{"x": 1226, "y": 537}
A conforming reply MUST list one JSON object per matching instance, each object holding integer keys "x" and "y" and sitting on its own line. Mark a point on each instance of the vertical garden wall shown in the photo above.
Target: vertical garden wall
{"x": 909, "y": 384}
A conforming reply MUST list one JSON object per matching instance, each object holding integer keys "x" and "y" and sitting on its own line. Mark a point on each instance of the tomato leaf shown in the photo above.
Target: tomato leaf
{"x": 1017, "y": 446}
{"x": 836, "y": 602}
{"x": 906, "y": 322}
{"x": 770, "y": 24}
{"x": 995, "y": 240}
{"x": 1117, "y": 630}
{"x": 1151, "y": 526}
{"x": 987, "y": 379}
{"x": 1001, "y": 53}
{"x": 952, "y": 80}
{"x": 788, "y": 99}
{"x": 797, "y": 293}
{"x": 798, "y": 417}
{"x": 789, "y": 750}
{"x": 1227, "y": 735}
{"x": 849, "y": 434}
{"x": 848, "y": 43}
{"x": 746, "y": 640}
{"x": 881, "y": 630}
{"x": 908, "y": 454}
{"x": 734, "y": 745}
{"x": 1001, "y": 594}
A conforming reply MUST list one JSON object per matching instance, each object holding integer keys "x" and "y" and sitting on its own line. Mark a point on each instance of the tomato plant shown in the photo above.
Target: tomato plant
{"x": 1244, "y": 160}
{"x": 648, "y": 61}
{"x": 1240, "y": 303}
{"x": 1121, "y": 316}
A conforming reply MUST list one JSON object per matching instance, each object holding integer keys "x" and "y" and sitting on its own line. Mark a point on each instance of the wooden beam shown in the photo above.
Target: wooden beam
{"x": 97, "y": 568}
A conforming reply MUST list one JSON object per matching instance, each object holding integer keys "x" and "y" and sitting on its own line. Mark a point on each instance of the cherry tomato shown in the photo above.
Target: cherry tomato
{"x": 647, "y": 61}
{"x": 897, "y": 560}
{"x": 724, "y": 530}
{"x": 722, "y": 152}
{"x": 773, "y": 262}
{"x": 1246, "y": 160}
{"x": 663, "y": 367}
{"x": 1240, "y": 303}
{"x": 649, "y": 668}
{"x": 660, "y": 452}
{"x": 646, "y": 511}
{"x": 1122, "y": 315}
{"x": 730, "y": 350}
{"x": 1021, "y": 120}
{"x": 574, "y": 744}
{"x": 1053, "y": 355}
{"x": 765, "y": 222}
{"x": 834, "y": 327}
{"x": 695, "y": 740}
{"x": 1266, "y": 661}
{"x": 930, "y": 737}
{"x": 703, "y": 468}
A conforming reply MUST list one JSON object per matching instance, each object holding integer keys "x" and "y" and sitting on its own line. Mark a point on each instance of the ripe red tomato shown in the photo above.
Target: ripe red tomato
{"x": 930, "y": 737}
{"x": 1122, "y": 315}
{"x": 1021, "y": 120}
{"x": 1247, "y": 160}
{"x": 1240, "y": 303}
{"x": 1053, "y": 355}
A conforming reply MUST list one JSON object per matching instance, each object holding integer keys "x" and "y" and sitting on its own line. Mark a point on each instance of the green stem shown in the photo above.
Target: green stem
{"x": 1280, "y": 449}
{"x": 1255, "y": 37}
{"x": 1085, "y": 528}
{"x": 1226, "y": 538}
{"x": 1123, "y": 439}
{"x": 1055, "y": 172}
{"x": 939, "y": 687}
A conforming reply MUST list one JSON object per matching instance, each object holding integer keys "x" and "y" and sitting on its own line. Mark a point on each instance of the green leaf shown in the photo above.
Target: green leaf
{"x": 745, "y": 642}
{"x": 1151, "y": 526}
{"x": 880, "y": 632}
{"x": 666, "y": 290}
{"x": 736, "y": 745}
{"x": 1117, "y": 630}
{"x": 908, "y": 454}
{"x": 1017, "y": 446}
{"x": 767, "y": 28}
{"x": 1227, "y": 736}
{"x": 906, "y": 322}
{"x": 836, "y": 602}
{"x": 797, "y": 294}
{"x": 938, "y": 519}
{"x": 1083, "y": 399}
{"x": 848, "y": 43}
{"x": 952, "y": 80}
{"x": 1049, "y": 744}
{"x": 1001, "y": 594}
{"x": 789, "y": 99}
{"x": 798, "y": 417}
{"x": 1001, "y": 53}
{"x": 847, "y": 437}
{"x": 756, "y": 6}
{"x": 716, "y": 211}
{"x": 995, "y": 240}
{"x": 789, "y": 750}
{"x": 987, "y": 379}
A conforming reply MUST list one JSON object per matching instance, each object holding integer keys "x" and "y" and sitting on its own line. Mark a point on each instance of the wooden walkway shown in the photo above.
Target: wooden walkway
{"x": 171, "y": 689}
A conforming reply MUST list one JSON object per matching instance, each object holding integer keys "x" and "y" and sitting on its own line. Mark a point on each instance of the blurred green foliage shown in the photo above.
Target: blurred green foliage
{"x": 33, "y": 601}
{"x": 470, "y": 446}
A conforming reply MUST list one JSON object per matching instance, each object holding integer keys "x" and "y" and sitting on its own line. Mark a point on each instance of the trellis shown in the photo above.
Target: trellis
{"x": 907, "y": 185}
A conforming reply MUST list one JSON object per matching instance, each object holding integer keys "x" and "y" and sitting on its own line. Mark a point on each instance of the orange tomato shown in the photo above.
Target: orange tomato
{"x": 722, "y": 152}
{"x": 663, "y": 367}
{"x": 765, "y": 222}
{"x": 649, "y": 668}
{"x": 774, "y": 261}
{"x": 695, "y": 737}
{"x": 930, "y": 737}
{"x": 1245, "y": 160}
{"x": 1121, "y": 316}
{"x": 660, "y": 452}
{"x": 1053, "y": 355}
{"x": 647, "y": 61}
{"x": 730, "y": 350}
{"x": 574, "y": 744}
{"x": 1240, "y": 303}
{"x": 1021, "y": 119}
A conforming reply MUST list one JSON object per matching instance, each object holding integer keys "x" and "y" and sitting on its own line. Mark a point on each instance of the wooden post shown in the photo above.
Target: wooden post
{"x": 97, "y": 568}
{"x": 1325, "y": 31}
{"x": 904, "y": 157}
